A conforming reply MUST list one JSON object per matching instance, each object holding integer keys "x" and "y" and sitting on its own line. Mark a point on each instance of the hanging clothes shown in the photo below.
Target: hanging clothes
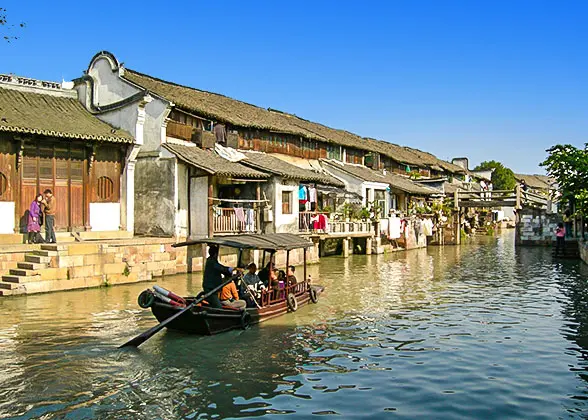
{"x": 312, "y": 194}
{"x": 394, "y": 227}
{"x": 307, "y": 206}
{"x": 428, "y": 227}
{"x": 240, "y": 214}
{"x": 302, "y": 196}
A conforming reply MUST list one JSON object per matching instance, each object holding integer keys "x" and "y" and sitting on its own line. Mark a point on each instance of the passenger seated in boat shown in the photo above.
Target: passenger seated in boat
{"x": 229, "y": 297}
{"x": 291, "y": 277}
{"x": 265, "y": 273}
{"x": 250, "y": 278}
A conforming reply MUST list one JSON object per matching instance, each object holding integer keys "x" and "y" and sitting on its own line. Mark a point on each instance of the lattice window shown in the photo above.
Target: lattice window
{"x": 3, "y": 184}
{"x": 286, "y": 202}
{"x": 105, "y": 188}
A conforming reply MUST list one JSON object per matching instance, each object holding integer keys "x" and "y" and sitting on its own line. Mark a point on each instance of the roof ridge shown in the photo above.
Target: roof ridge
{"x": 157, "y": 79}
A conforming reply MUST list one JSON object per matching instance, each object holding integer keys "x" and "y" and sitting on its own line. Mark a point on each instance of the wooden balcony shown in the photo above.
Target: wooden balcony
{"x": 306, "y": 224}
{"x": 179, "y": 131}
{"x": 232, "y": 220}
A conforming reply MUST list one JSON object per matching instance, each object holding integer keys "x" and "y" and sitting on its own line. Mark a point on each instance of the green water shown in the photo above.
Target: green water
{"x": 478, "y": 331}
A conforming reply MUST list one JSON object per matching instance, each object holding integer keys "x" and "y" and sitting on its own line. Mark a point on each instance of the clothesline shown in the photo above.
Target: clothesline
{"x": 228, "y": 200}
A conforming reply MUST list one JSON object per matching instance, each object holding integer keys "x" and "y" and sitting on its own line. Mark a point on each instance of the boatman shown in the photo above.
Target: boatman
{"x": 213, "y": 275}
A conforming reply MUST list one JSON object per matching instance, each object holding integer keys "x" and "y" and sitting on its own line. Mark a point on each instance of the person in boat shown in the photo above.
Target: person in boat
{"x": 291, "y": 277}
{"x": 213, "y": 275}
{"x": 265, "y": 273}
{"x": 251, "y": 278}
{"x": 230, "y": 297}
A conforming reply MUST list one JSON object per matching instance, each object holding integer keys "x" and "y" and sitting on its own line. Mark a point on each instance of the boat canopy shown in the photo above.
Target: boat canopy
{"x": 269, "y": 242}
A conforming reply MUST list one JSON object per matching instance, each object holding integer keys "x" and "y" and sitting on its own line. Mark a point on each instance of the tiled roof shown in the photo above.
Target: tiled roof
{"x": 241, "y": 114}
{"x": 394, "y": 180}
{"x": 540, "y": 182}
{"x": 54, "y": 115}
{"x": 210, "y": 162}
{"x": 269, "y": 163}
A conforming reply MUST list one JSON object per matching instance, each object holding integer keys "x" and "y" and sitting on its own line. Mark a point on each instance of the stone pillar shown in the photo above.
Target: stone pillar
{"x": 368, "y": 246}
{"x": 346, "y": 247}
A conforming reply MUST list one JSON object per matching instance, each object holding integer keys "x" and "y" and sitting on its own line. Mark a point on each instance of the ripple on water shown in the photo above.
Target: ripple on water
{"x": 478, "y": 331}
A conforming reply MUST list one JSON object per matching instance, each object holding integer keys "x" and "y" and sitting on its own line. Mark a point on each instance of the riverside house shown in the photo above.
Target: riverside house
{"x": 49, "y": 140}
{"x": 189, "y": 138}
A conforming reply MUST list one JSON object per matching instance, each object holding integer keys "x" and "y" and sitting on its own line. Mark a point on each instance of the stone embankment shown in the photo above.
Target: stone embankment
{"x": 29, "y": 269}
{"x": 52, "y": 267}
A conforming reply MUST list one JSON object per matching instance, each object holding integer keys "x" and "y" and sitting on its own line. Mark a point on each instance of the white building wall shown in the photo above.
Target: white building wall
{"x": 104, "y": 216}
{"x": 285, "y": 223}
{"x": 7, "y": 210}
{"x": 199, "y": 207}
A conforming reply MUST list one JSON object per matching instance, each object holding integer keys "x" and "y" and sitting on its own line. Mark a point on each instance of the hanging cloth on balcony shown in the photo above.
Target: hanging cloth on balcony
{"x": 240, "y": 214}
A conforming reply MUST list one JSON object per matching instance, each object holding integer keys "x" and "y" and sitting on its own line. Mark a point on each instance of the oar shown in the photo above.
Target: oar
{"x": 141, "y": 338}
{"x": 250, "y": 293}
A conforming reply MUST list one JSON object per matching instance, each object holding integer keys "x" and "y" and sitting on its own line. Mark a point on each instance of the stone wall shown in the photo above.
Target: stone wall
{"x": 155, "y": 208}
{"x": 583, "y": 247}
{"x": 535, "y": 227}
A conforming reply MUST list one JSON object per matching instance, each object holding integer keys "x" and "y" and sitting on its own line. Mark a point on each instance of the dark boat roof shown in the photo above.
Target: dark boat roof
{"x": 268, "y": 242}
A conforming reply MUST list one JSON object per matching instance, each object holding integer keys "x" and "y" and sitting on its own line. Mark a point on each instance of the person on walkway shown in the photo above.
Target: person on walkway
{"x": 49, "y": 209}
{"x": 560, "y": 239}
{"x": 230, "y": 297}
{"x": 213, "y": 275}
{"x": 35, "y": 221}
{"x": 568, "y": 223}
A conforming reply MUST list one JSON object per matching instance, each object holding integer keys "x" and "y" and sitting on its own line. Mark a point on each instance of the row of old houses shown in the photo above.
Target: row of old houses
{"x": 127, "y": 153}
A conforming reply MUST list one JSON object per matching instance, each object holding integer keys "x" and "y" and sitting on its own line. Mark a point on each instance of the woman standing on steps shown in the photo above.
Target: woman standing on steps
{"x": 35, "y": 220}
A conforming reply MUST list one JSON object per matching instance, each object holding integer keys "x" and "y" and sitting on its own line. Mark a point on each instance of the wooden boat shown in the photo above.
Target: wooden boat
{"x": 205, "y": 320}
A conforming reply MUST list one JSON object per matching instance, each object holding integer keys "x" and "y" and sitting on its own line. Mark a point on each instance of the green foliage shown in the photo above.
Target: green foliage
{"x": 502, "y": 177}
{"x": 569, "y": 166}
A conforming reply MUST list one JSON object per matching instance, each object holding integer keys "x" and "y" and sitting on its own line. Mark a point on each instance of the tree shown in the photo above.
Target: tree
{"x": 502, "y": 177}
{"x": 6, "y": 26}
{"x": 568, "y": 165}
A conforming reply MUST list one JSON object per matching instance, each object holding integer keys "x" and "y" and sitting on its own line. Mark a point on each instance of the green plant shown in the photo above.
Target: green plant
{"x": 327, "y": 209}
{"x": 346, "y": 209}
{"x": 364, "y": 213}
{"x": 126, "y": 271}
{"x": 463, "y": 235}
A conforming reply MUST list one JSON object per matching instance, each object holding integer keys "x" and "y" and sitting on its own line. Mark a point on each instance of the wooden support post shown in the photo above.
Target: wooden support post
{"x": 259, "y": 207}
{"x": 346, "y": 247}
{"x": 210, "y": 211}
{"x": 304, "y": 262}
{"x": 368, "y": 246}
{"x": 456, "y": 200}
{"x": 518, "y": 197}
{"x": 458, "y": 228}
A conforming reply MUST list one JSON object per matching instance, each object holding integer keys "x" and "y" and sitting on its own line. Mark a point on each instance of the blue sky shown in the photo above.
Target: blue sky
{"x": 499, "y": 80}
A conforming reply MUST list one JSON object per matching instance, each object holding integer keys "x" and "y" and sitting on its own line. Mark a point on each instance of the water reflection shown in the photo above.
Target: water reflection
{"x": 480, "y": 331}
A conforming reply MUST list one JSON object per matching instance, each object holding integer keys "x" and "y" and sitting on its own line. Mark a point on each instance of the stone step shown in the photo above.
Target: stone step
{"x": 4, "y": 292}
{"x": 31, "y": 266}
{"x": 37, "y": 259}
{"x": 45, "y": 253}
{"x": 8, "y": 286}
{"x": 20, "y": 279}
{"x": 53, "y": 247}
{"x": 22, "y": 272}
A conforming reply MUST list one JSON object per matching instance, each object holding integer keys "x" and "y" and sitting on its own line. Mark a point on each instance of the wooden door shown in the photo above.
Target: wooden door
{"x": 76, "y": 189}
{"x": 60, "y": 168}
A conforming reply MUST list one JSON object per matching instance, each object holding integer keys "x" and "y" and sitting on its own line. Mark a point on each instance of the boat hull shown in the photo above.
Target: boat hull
{"x": 204, "y": 320}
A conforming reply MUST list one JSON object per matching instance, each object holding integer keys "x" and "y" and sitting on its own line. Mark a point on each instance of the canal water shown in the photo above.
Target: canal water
{"x": 478, "y": 331}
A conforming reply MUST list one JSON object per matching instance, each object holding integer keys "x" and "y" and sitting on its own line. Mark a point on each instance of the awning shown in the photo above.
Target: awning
{"x": 268, "y": 242}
